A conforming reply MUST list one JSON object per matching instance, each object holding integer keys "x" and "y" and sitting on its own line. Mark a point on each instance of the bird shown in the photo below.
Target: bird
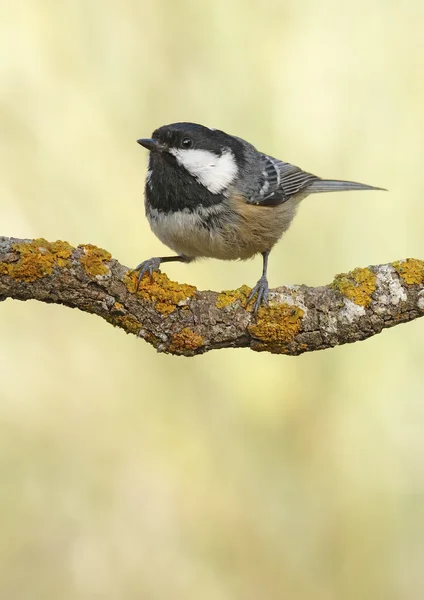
{"x": 209, "y": 194}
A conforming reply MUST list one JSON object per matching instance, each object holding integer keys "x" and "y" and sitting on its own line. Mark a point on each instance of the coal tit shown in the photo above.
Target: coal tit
{"x": 210, "y": 194}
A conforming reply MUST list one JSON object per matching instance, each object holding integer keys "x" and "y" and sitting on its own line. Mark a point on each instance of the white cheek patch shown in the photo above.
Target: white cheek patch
{"x": 213, "y": 171}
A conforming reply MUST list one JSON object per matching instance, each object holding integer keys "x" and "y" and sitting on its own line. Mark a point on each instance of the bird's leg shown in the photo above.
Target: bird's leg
{"x": 152, "y": 264}
{"x": 261, "y": 288}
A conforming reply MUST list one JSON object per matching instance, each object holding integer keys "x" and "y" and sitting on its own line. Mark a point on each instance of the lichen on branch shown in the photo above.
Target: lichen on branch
{"x": 179, "y": 319}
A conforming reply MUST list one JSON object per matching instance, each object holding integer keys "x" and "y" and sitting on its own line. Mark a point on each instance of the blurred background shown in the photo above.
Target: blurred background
{"x": 129, "y": 474}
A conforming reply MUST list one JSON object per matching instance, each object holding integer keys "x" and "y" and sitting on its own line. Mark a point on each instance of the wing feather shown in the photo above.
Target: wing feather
{"x": 280, "y": 181}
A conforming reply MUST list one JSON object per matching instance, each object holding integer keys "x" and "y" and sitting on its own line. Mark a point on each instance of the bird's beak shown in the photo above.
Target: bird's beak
{"x": 150, "y": 144}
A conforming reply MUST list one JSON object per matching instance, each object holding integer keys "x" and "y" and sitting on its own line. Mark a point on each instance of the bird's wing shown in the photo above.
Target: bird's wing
{"x": 279, "y": 181}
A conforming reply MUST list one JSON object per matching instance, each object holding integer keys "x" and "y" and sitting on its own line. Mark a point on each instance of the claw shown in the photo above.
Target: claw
{"x": 261, "y": 292}
{"x": 150, "y": 265}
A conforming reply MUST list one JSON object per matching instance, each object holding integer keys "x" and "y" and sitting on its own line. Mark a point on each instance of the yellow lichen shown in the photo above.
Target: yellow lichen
{"x": 276, "y": 326}
{"x": 127, "y": 322}
{"x": 358, "y": 285}
{"x": 166, "y": 294}
{"x": 164, "y": 308}
{"x": 118, "y": 308}
{"x": 93, "y": 260}
{"x": 185, "y": 340}
{"x": 119, "y": 317}
{"x": 411, "y": 270}
{"x": 228, "y": 297}
{"x": 37, "y": 259}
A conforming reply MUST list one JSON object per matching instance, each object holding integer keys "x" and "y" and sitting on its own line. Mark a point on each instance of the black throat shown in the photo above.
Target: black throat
{"x": 170, "y": 188}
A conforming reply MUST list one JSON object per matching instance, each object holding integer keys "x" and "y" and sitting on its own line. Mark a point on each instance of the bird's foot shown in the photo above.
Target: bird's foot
{"x": 261, "y": 292}
{"x": 148, "y": 266}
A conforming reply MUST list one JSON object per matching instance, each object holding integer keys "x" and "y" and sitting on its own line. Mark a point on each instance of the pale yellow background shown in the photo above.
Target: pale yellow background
{"x": 126, "y": 474}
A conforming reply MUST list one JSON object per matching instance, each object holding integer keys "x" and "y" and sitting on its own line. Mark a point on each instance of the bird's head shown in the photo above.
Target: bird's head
{"x": 210, "y": 156}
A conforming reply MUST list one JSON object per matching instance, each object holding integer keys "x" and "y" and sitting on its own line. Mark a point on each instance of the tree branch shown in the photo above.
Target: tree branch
{"x": 179, "y": 319}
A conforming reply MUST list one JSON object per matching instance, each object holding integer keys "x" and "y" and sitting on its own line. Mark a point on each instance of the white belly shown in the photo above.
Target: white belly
{"x": 184, "y": 233}
{"x": 238, "y": 230}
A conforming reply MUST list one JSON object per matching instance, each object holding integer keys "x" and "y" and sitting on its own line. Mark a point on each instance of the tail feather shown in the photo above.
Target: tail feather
{"x": 333, "y": 185}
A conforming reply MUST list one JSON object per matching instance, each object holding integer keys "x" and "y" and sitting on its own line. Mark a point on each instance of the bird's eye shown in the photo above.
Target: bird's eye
{"x": 186, "y": 142}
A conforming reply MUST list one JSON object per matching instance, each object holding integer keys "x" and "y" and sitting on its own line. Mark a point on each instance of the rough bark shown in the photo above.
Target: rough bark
{"x": 179, "y": 319}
